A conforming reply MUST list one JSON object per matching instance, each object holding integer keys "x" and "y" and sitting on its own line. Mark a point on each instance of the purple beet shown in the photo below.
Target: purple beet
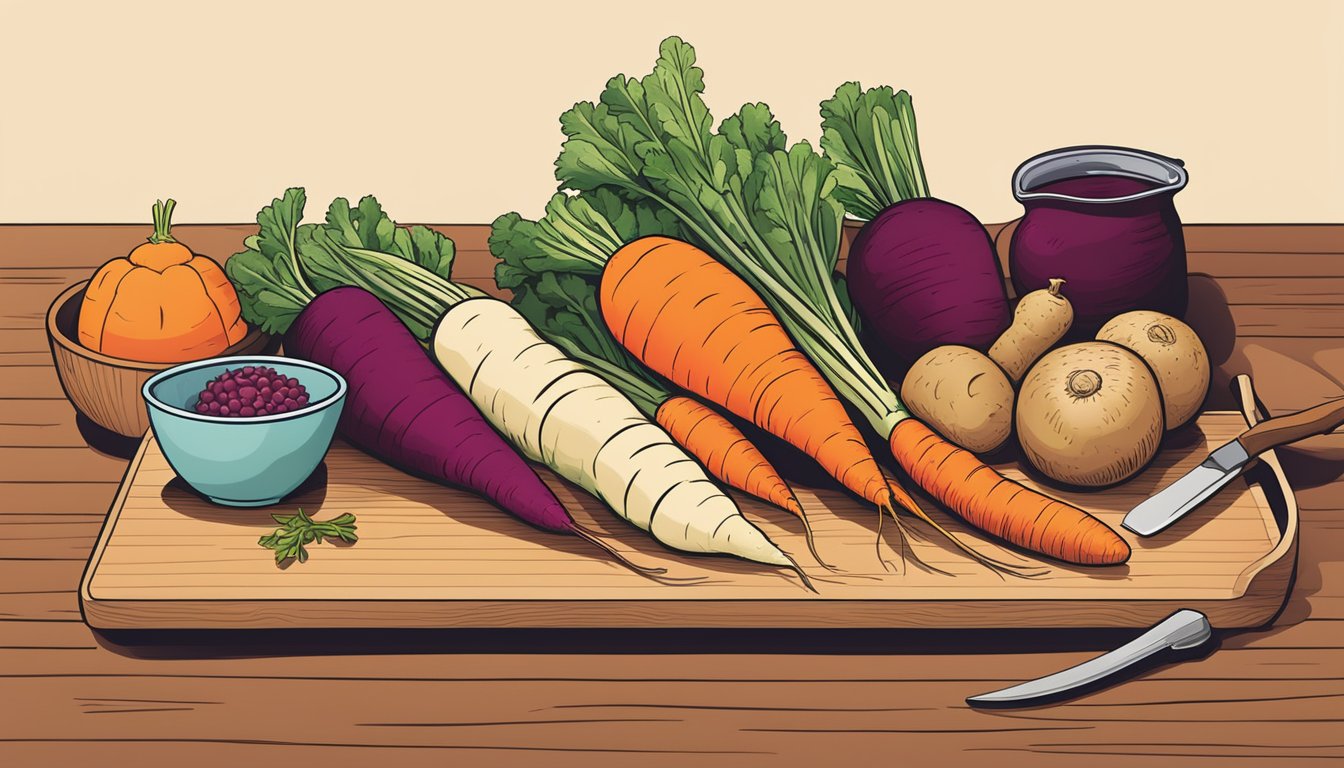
{"x": 923, "y": 273}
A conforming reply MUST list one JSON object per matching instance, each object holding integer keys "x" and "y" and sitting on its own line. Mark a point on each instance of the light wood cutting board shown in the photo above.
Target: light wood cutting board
{"x": 431, "y": 556}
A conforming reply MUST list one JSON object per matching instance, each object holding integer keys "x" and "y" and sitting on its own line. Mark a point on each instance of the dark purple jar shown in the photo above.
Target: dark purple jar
{"x": 1103, "y": 219}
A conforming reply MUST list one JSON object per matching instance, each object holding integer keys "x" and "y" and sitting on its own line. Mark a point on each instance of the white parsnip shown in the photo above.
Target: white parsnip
{"x": 560, "y": 414}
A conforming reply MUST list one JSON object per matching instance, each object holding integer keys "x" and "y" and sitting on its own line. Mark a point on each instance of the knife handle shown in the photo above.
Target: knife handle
{"x": 1281, "y": 430}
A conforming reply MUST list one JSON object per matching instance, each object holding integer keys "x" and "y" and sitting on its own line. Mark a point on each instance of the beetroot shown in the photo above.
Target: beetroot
{"x": 923, "y": 273}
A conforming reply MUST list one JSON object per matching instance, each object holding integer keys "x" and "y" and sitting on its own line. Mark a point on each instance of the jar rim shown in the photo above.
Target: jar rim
{"x": 1168, "y": 174}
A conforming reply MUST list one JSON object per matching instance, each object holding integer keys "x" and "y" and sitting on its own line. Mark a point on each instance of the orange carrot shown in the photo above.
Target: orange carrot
{"x": 689, "y": 318}
{"x": 729, "y": 456}
{"x": 994, "y": 504}
{"x": 725, "y": 451}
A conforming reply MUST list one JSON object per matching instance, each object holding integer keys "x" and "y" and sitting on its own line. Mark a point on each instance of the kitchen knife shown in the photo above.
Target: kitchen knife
{"x": 1194, "y": 487}
{"x": 1182, "y": 630}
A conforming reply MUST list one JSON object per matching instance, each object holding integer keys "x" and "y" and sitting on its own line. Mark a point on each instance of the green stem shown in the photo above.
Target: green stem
{"x": 412, "y": 291}
{"x": 163, "y": 216}
{"x": 291, "y": 245}
{"x": 850, "y": 370}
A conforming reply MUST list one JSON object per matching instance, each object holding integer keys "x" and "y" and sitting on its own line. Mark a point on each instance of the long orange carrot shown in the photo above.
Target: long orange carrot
{"x": 994, "y": 504}
{"x": 569, "y": 315}
{"x": 689, "y": 318}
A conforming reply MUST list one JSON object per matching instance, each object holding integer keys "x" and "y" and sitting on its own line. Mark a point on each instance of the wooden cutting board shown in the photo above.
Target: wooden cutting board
{"x": 431, "y": 556}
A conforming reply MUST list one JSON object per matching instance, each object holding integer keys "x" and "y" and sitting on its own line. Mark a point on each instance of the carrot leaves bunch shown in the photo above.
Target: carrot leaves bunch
{"x": 765, "y": 210}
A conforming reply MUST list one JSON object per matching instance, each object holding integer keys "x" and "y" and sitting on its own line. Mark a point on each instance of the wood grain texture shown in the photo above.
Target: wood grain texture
{"x": 658, "y": 697}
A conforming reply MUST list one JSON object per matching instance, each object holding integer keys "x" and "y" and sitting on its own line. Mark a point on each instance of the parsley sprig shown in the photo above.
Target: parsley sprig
{"x": 295, "y": 531}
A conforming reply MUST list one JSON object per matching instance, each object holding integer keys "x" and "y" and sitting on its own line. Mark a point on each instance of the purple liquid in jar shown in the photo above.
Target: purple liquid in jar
{"x": 1098, "y": 187}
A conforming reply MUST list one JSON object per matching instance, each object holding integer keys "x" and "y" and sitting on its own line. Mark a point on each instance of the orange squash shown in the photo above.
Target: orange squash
{"x": 161, "y": 303}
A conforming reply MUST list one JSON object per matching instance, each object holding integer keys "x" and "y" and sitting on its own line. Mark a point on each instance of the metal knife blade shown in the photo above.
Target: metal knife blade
{"x": 1193, "y": 488}
{"x": 1182, "y": 630}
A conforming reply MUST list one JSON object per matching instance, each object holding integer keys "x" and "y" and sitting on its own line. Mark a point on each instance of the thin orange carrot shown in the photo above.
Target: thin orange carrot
{"x": 724, "y": 450}
{"x": 729, "y": 456}
{"x": 999, "y": 506}
{"x": 689, "y": 318}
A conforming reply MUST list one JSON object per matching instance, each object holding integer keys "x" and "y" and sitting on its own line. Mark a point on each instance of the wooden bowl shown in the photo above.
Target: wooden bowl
{"x": 107, "y": 389}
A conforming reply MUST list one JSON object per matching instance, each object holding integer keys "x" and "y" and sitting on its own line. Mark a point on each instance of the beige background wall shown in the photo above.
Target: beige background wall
{"x": 448, "y": 113}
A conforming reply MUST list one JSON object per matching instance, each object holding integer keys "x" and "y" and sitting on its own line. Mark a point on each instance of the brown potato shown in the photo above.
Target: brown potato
{"x": 1174, "y": 352}
{"x": 1089, "y": 414}
{"x": 961, "y": 394}
{"x": 1041, "y": 319}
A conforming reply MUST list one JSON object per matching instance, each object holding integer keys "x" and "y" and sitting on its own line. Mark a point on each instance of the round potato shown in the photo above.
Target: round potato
{"x": 1089, "y": 414}
{"x": 1174, "y": 352}
{"x": 961, "y": 394}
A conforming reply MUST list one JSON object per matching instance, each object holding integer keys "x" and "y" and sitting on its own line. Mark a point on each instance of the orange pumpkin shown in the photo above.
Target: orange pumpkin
{"x": 161, "y": 304}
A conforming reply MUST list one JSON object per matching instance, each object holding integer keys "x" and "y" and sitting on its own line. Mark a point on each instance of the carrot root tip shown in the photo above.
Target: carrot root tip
{"x": 877, "y": 545}
{"x": 904, "y": 538}
{"x": 998, "y": 566}
{"x": 812, "y": 544}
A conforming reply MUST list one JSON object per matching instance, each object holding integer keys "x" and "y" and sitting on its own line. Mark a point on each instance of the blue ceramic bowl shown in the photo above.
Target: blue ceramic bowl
{"x": 250, "y": 461}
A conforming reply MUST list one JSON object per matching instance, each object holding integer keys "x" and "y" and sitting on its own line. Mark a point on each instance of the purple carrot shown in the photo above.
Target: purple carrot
{"x": 407, "y": 412}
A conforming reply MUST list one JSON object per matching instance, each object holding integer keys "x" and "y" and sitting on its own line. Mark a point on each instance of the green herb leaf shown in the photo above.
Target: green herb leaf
{"x": 286, "y": 265}
{"x": 577, "y": 234}
{"x": 296, "y": 531}
{"x": 755, "y": 129}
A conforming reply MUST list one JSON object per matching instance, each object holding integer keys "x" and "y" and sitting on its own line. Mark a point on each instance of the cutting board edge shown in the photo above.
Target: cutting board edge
{"x": 1245, "y": 612}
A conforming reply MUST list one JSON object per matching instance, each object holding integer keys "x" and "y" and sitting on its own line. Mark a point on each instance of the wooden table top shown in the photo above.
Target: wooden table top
{"x": 1268, "y": 300}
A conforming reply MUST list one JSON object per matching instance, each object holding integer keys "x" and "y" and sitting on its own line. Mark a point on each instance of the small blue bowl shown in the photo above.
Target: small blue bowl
{"x": 251, "y": 461}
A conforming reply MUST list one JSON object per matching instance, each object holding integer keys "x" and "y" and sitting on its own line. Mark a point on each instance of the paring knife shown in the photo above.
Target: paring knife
{"x": 1182, "y": 630}
{"x": 1176, "y": 500}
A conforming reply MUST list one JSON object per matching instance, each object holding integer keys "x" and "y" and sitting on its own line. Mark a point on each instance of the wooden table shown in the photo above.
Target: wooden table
{"x": 1268, "y": 300}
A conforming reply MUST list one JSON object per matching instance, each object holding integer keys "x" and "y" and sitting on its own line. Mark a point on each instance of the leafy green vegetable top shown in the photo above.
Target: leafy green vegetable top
{"x": 766, "y": 210}
{"x": 577, "y": 234}
{"x": 872, "y": 139}
{"x": 552, "y": 267}
{"x": 286, "y": 264}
